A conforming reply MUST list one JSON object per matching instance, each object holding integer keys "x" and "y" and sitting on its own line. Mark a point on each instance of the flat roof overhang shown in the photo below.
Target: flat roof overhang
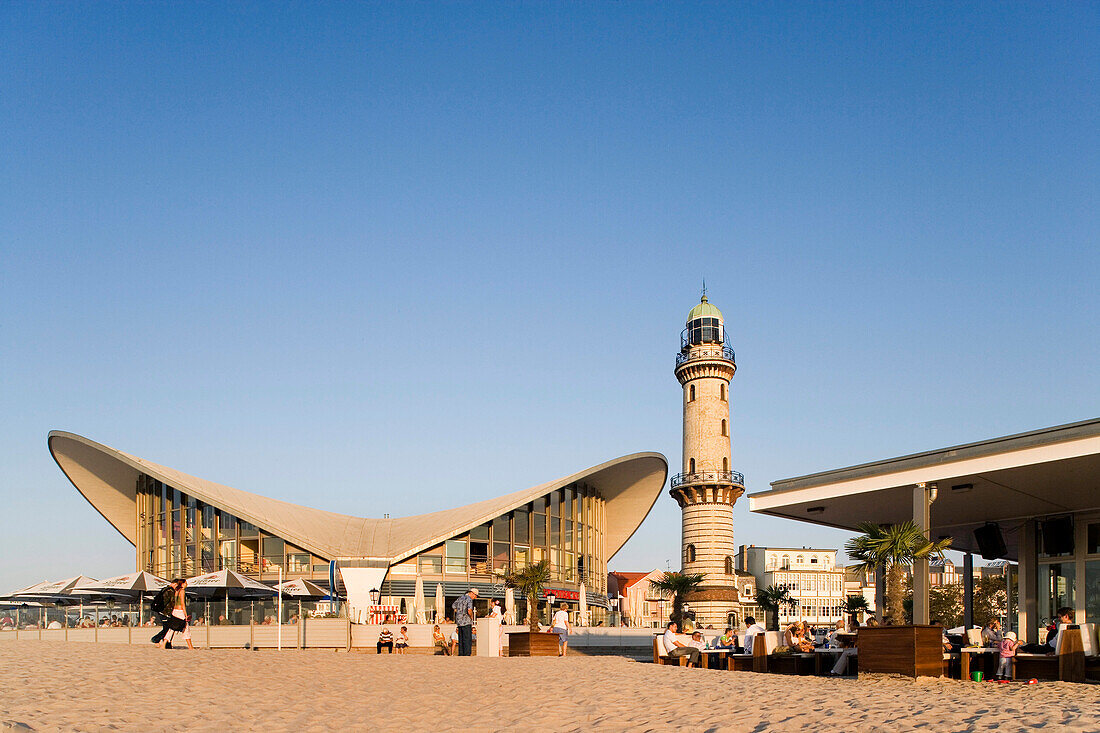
{"x": 1045, "y": 472}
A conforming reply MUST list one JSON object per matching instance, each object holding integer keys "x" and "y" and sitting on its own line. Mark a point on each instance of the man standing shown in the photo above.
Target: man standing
{"x": 464, "y": 617}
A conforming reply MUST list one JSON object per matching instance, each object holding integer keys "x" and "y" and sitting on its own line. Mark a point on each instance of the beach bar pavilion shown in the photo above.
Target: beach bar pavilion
{"x": 1038, "y": 492}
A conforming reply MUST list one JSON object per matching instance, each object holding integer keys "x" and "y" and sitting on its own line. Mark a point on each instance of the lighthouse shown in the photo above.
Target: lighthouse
{"x": 707, "y": 487}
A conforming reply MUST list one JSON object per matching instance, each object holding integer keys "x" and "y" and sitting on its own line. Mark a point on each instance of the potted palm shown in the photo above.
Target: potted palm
{"x": 679, "y": 586}
{"x": 896, "y": 647}
{"x": 774, "y": 599}
{"x": 853, "y": 607}
{"x": 531, "y": 581}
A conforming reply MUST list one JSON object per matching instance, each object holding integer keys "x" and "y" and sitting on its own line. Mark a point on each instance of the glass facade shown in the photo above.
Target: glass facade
{"x": 565, "y": 527}
{"x": 179, "y": 536}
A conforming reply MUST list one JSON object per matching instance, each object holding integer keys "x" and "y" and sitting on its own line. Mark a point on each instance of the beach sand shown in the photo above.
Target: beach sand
{"x": 54, "y": 685}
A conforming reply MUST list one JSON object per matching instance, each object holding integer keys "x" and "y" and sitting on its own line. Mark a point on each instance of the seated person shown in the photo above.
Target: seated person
{"x": 991, "y": 633}
{"x": 795, "y": 638}
{"x": 676, "y": 648}
{"x": 454, "y": 641}
{"x": 697, "y": 641}
{"x": 402, "y": 642}
{"x": 385, "y": 639}
{"x": 727, "y": 640}
{"x": 1065, "y": 617}
{"x": 439, "y": 641}
{"x": 831, "y": 641}
{"x": 754, "y": 629}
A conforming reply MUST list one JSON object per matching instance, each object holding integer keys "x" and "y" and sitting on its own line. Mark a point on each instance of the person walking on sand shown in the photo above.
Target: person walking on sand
{"x": 163, "y": 603}
{"x": 464, "y": 617}
{"x": 179, "y": 617}
{"x": 562, "y": 628}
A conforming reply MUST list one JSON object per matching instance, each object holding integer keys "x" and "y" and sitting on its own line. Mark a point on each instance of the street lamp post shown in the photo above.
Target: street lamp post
{"x": 550, "y": 598}
{"x": 375, "y": 594}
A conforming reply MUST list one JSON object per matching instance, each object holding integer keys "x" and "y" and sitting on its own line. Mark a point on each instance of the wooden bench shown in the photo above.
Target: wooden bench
{"x": 660, "y": 654}
{"x": 758, "y": 659}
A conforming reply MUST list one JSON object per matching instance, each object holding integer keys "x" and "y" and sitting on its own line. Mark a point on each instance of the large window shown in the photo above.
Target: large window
{"x": 1057, "y": 588}
{"x": 456, "y": 557}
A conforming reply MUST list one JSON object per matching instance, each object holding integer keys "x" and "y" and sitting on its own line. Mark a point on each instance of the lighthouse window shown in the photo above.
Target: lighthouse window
{"x": 691, "y": 393}
{"x": 722, "y": 391}
{"x": 725, "y": 428}
{"x": 691, "y": 465}
{"x": 689, "y": 553}
{"x": 729, "y": 565}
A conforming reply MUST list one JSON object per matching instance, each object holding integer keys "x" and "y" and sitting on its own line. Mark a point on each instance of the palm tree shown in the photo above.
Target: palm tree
{"x": 895, "y": 547}
{"x": 678, "y": 585}
{"x": 530, "y": 581}
{"x": 855, "y": 605}
{"x": 774, "y": 598}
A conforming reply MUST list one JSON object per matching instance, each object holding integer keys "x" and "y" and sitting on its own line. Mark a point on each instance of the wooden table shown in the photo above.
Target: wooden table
{"x": 964, "y": 655}
{"x": 715, "y": 654}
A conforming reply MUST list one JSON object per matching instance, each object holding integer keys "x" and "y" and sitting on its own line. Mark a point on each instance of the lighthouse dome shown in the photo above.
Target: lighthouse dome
{"x": 705, "y": 309}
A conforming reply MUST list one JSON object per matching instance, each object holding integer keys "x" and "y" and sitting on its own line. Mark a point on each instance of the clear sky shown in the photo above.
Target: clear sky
{"x": 392, "y": 258}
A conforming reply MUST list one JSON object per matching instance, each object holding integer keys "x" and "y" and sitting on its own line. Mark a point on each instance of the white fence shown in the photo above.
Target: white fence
{"x": 322, "y": 633}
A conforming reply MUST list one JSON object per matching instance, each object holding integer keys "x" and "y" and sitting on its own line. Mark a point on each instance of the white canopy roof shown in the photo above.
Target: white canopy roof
{"x": 107, "y": 478}
{"x": 1009, "y": 480}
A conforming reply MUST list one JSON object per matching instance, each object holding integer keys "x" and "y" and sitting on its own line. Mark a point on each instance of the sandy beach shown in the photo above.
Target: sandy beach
{"x": 58, "y": 686}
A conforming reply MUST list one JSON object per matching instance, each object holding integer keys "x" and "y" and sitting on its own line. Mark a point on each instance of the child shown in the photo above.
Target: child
{"x": 402, "y": 643}
{"x": 1008, "y": 651}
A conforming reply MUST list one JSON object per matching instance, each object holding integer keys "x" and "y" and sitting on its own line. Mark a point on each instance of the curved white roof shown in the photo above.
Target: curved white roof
{"x": 107, "y": 478}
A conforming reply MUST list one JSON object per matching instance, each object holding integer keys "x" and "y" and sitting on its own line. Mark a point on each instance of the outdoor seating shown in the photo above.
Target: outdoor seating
{"x": 1068, "y": 663}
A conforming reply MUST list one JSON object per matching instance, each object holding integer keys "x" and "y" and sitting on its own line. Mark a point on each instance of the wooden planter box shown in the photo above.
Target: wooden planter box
{"x": 526, "y": 644}
{"x": 913, "y": 651}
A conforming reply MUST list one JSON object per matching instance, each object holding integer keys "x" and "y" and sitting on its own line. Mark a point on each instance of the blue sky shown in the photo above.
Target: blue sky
{"x": 394, "y": 258}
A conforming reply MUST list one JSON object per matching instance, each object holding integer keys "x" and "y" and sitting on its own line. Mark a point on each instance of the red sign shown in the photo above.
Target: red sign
{"x": 563, "y": 595}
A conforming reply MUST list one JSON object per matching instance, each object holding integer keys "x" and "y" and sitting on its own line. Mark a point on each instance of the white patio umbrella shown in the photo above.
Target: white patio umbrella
{"x": 509, "y": 606}
{"x": 133, "y": 586}
{"x": 235, "y": 584}
{"x": 418, "y": 601}
{"x": 582, "y": 617}
{"x": 58, "y": 592}
{"x": 440, "y": 612}
{"x": 228, "y": 584}
{"x": 301, "y": 589}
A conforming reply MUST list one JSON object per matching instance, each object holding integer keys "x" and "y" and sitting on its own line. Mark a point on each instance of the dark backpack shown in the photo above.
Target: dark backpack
{"x": 162, "y": 601}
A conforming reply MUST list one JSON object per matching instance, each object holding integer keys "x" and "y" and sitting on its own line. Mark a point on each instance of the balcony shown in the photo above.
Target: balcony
{"x": 711, "y": 352}
{"x": 708, "y": 477}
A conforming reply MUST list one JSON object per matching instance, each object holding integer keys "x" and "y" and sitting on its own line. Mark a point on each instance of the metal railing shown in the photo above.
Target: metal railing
{"x": 710, "y": 352}
{"x": 704, "y": 477}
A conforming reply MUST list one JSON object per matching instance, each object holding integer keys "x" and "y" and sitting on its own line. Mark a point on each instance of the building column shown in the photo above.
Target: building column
{"x": 1009, "y": 594}
{"x": 922, "y": 517}
{"x": 968, "y": 590}
{"x": 1027, "y": 585}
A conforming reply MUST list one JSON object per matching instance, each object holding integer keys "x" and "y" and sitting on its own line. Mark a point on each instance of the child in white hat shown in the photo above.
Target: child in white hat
{"x": 1008, "y": 652}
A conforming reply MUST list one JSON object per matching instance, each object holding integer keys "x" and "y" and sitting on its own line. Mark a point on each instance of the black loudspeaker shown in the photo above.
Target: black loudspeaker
{"x": 1057, "y": 536}
{"x": 991, "y": 543}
